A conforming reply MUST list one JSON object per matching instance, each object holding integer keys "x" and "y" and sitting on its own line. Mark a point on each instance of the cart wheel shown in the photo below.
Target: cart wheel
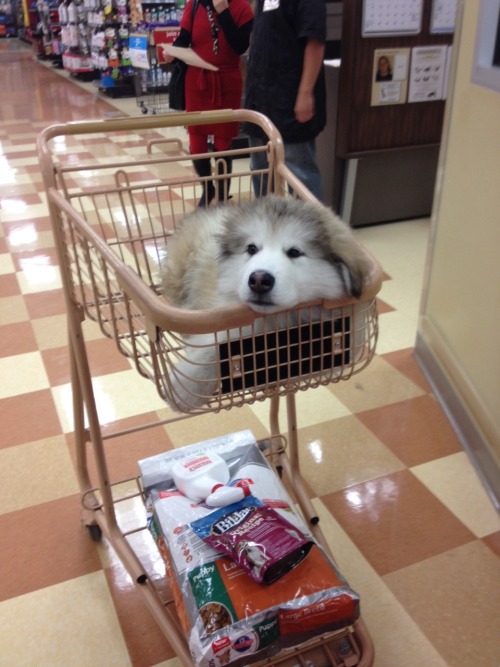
{"x": 95, "y": 532}
{"x": 144, "y": 110}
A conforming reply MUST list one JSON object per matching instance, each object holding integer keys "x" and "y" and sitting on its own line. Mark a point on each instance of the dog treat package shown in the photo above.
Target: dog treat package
{"x": 229, "y": 617}
{"x": 256, "y": 538}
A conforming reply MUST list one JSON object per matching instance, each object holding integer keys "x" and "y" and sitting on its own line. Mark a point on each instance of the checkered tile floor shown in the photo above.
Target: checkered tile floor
{"x": 411, "y": 526}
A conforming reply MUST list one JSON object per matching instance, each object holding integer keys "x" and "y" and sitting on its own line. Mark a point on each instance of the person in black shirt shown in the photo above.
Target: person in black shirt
{"x": 286, "y": 82}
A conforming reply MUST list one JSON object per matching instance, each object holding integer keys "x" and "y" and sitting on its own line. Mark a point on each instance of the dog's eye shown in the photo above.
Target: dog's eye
{"x": 293, "y": 253}
{"x": 252, "y": 249}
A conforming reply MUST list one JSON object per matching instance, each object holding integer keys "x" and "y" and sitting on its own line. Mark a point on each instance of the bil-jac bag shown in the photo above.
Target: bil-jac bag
{"x": 176, "y": 86}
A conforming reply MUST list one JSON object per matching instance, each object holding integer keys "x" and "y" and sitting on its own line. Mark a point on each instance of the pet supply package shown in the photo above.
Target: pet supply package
{"x": 229, "y": 617}
{"x": 256, "y": 537}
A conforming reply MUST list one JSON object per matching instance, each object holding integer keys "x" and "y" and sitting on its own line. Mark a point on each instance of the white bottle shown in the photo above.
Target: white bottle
{"x": 63, "y": 13}
{"x": 202, "y": 477}
{"x": 71, "y": 12}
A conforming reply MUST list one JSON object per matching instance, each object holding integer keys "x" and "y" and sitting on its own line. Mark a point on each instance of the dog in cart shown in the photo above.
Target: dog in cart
{"x": 272, "y": 254}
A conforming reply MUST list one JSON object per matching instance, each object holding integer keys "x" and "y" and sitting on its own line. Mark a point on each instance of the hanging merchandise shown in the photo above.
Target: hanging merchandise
{"x": 75, "y": 38}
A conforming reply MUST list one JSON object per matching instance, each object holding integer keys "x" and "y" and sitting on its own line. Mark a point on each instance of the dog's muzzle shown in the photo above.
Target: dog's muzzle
{"x": 261, "y": 282}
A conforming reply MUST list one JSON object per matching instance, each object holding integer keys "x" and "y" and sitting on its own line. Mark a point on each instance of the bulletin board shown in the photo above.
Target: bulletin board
{"x": 405, "y": 106}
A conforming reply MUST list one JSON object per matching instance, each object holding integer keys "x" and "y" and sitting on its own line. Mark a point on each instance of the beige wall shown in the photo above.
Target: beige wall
{"x": 460, "y": 317}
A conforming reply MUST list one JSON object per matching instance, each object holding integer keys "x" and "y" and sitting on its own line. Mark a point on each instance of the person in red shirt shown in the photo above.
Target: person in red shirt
{"x": 219, "y": 32}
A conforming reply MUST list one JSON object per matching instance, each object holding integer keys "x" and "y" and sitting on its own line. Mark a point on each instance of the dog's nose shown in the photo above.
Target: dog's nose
{"x": 261, "y": 282}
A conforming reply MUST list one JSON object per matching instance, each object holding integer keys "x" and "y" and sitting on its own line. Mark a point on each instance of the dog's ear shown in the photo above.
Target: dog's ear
{"x": 349, "y": 257}
{"x": 354, "y": 275}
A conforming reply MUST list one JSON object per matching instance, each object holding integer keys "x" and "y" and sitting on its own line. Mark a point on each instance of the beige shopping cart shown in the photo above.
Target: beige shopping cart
{"x": 112, "y": 217}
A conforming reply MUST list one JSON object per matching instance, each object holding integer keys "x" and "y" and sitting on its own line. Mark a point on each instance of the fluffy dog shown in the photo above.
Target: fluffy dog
{"x": 271, "y": 253}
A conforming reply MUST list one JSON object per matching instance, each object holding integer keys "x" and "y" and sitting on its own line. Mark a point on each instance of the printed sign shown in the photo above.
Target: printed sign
{"x": 138, "y": 47}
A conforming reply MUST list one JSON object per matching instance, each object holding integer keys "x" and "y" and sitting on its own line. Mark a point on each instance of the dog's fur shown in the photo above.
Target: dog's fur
{"x": 271, "y": 254}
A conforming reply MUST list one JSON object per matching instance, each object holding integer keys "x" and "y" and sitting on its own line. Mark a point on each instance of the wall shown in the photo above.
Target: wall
{"x": 458, "y": 342}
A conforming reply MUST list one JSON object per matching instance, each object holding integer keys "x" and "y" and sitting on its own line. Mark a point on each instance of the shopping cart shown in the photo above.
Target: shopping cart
{"x": 151, "y": 88}
{"x": 112, "y": 219}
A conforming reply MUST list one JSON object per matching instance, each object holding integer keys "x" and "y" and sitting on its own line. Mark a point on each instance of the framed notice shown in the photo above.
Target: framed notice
{"x": 390, "y": 76}
{"x": 428, "y": 73}
{"x": 138, "y": 48}
{"x": 392, "y": 17}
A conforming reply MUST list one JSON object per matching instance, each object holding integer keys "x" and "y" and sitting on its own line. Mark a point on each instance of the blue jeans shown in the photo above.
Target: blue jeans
{"x": 299, "y": 158}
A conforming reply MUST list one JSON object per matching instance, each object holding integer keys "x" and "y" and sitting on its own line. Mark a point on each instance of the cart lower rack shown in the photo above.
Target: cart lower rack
{"x": 112, "y": 219}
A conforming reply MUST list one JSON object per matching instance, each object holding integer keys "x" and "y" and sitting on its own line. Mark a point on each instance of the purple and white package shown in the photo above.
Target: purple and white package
{"x": 256, "y": 537}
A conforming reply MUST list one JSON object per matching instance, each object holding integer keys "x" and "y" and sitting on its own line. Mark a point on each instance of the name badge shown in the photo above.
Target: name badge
{"x": 270, "y": 5}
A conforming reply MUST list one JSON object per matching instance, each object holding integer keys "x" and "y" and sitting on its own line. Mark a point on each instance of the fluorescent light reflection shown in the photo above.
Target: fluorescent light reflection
{"x": 316, "y": 449}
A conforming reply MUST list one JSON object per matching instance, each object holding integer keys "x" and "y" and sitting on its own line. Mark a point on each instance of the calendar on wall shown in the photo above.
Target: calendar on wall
{"x": 392, "y": 17}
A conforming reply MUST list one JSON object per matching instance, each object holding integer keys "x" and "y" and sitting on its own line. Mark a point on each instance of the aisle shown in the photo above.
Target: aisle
{"x": 411, "y": 526}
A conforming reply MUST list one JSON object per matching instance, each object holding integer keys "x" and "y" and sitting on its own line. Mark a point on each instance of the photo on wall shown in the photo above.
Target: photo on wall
{"x": 390, "y": 76}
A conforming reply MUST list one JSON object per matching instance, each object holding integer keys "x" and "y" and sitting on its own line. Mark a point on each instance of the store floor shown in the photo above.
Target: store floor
{"x": 411, "y": 525}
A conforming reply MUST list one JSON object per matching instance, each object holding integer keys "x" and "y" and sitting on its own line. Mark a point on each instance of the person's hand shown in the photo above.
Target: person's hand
{"x": 168, "y": 58}
{"x": 304, "y": 107}
{"x": 220, "y": 5}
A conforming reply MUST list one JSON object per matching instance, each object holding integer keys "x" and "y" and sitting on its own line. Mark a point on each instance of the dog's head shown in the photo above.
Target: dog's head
{"x": 277, "y": 252}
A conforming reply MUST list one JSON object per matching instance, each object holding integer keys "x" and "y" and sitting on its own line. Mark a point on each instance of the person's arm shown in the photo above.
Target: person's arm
{"x": 238, "y": 37}
{"x": 313, "y": 60}
{"x": 183, "y": 39}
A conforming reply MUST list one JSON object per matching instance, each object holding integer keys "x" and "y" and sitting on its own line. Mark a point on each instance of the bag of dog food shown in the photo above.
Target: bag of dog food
{"x": 255, "y": 537}
{"x": 229, "y": 617}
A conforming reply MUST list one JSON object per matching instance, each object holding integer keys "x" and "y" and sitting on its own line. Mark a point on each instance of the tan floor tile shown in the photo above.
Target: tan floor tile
{"x": 6, "y": 264}
{"x": 20, "y": 487}
{"x": 416, "y": 430}
{"x": 396, "y": 521}
{"x": 72, "y": 624}
{"x": 397, "y": 331}
{"x": 313, "y": 407}
{"x": 397, "y": 639}
{"x": 337, "y": 454}
{"x": 13, "y": 309}
{"x": 378, "y": 384}
{"x": 112, "y": 401}
{"x": 406, "y": 253}
{"x": 50, "y": 332}
{"x": 453, "y": 597}
{"x": 16, "y": 371}
{"x": 454, "y": 481}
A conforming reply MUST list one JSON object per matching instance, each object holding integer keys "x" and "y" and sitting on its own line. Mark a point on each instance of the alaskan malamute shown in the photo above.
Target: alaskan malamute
{"x": 271, "y": 253}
